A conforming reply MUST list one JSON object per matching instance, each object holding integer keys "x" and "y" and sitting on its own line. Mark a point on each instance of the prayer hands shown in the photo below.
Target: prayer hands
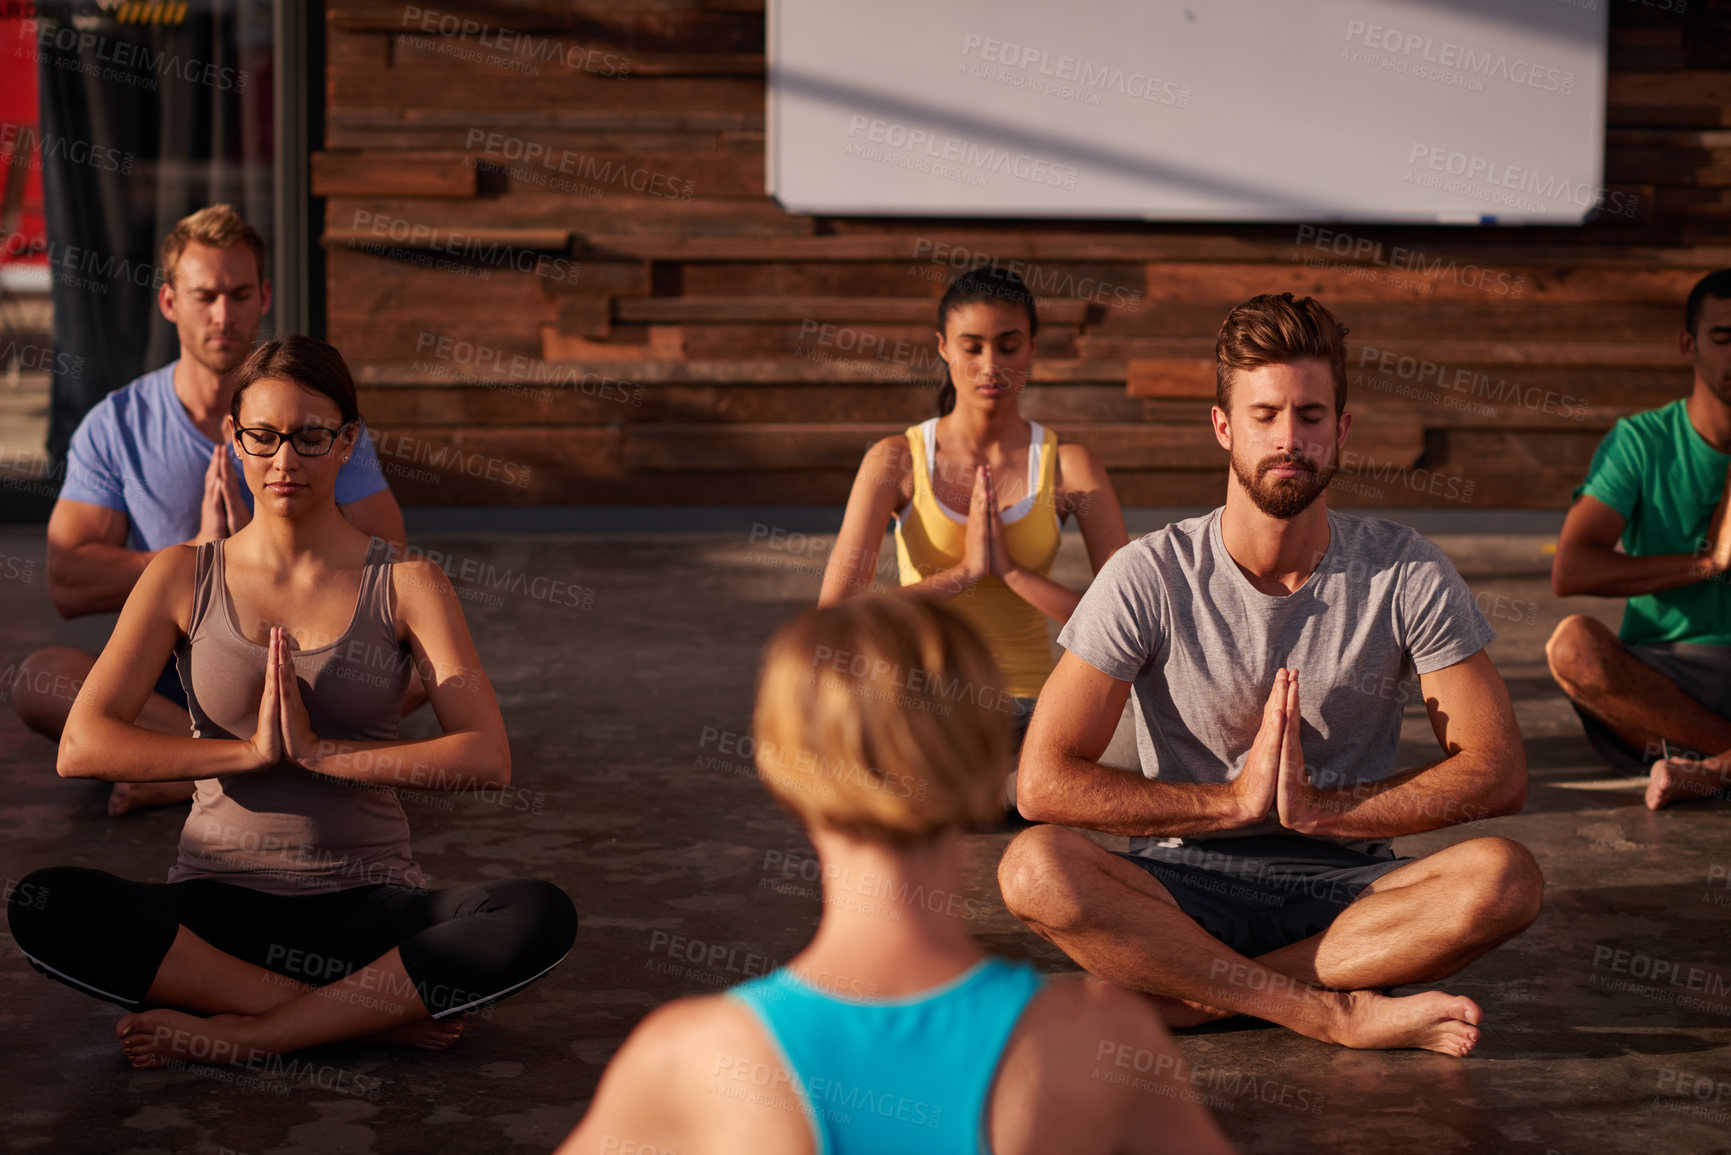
{"x": 1255, "y": 789}
{"x": 1297, "y": 802}
{"x": 222, "y": 510}
{"x": 984, "y": 550}
{"x": 233, "y": 497}
{"x": 1274, "y": 775}
{"x": 267, "y": 737}
{"x": 977, "y": 544}
{"x": 1000, "y": 553}
{"x": 212, "y": 508}
{"x": 284, "y": 732}
{"x": 1718, "y": 537}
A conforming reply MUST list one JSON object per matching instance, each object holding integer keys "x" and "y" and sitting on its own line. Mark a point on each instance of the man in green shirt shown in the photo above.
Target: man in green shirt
{"x": 1661, "y": 686}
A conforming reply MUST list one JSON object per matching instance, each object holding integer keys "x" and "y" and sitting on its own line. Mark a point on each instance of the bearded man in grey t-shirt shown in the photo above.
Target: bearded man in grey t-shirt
{"x": 1271, "y": 647}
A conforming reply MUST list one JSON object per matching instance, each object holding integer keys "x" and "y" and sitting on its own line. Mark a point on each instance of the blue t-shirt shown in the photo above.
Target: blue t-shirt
{"x": 137, "y": 451}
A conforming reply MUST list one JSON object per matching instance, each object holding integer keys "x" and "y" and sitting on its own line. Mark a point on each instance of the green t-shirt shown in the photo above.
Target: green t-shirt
{"x": 1655, "y": 470}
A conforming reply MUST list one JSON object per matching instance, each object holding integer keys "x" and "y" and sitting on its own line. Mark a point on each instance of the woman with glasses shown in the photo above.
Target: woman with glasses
{"x": 295, "y": 914}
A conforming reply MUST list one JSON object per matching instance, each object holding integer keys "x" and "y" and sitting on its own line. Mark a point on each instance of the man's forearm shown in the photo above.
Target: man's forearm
{"x": 1605, "y": 573}
{"x": 1462, "y": 788}
{"x": 94, "y": 578}
{"x": 1076, "y": 792}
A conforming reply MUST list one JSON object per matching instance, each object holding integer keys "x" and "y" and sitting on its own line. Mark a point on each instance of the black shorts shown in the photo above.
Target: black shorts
{"x": 1260, "y": 893}
{"x": 1703, "y": 672}
{"x": 463, "y": 947}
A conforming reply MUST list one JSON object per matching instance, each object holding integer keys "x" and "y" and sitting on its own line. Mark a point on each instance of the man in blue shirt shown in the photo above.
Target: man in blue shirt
{"x": 145, "y": 471}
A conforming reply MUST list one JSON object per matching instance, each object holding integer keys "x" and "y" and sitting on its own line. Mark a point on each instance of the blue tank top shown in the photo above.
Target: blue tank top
{"x": 909, "y": 1075}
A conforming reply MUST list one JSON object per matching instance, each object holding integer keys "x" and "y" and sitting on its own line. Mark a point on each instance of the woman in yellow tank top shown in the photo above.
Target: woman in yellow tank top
{"x": 979, "y": 493}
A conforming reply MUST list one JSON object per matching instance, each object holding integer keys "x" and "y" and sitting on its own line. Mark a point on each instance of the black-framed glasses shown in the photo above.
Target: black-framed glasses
{"x": 308, "y": 440}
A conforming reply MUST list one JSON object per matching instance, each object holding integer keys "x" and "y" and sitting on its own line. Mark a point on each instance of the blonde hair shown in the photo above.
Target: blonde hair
{"x": 882, "y": 718}
{"x": 1275, "y": 329}
{"x": 218, "y": 226}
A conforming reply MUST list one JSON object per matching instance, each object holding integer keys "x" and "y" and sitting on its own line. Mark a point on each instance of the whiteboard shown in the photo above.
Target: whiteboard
{"x": 1424, "y": 111}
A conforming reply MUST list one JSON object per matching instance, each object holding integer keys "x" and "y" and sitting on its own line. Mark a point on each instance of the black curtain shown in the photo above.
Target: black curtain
{"x": 172, "y": 117}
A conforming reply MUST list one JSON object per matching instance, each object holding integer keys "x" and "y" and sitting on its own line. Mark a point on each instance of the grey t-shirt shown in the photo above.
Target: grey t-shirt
{"x": 1172, "y": 614}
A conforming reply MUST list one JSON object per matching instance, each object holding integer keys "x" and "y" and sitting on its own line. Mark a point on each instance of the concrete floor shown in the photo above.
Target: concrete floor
{"x": 625, "y": 712}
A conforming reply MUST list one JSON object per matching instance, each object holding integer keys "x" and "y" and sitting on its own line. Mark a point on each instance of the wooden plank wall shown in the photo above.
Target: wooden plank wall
{"x": 554, "y": 269}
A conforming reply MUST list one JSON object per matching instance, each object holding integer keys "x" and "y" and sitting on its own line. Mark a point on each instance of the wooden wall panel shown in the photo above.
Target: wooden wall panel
{"x": 556, "y": 274}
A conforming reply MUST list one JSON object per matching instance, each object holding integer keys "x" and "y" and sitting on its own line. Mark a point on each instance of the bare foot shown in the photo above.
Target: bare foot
{"x": 1431, "y": 1020}
{"x": 157, "y": 1038}
{"x": 428, "y": 1034}
{"x": 1675, "y": 779}
{"x": 129, "y": 796}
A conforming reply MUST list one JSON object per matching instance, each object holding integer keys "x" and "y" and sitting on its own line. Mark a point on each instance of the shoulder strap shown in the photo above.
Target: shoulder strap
{"x": 1011, "y": 986}
{"x": 1003, "y": 998}
{"x": 1047, "y": 477}
{"x": 778, "y": 1004}
{"x": 375, "y": 595}
{"x": 920, "y": 446}
{"x": 207, "y": 582}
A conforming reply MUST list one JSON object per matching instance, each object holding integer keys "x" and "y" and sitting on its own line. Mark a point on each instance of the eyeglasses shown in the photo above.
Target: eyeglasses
{"x": 308, "y": 440}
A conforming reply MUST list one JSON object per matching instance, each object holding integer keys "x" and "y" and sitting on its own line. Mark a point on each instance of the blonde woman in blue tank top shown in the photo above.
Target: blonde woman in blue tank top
{"x": 296, "y": 914}
{"x": 978, "y": 494}
{"x": 892, "y": 1031}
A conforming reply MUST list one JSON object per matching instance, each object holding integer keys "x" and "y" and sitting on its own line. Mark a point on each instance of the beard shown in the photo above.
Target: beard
{"x": 1283, "y": 497}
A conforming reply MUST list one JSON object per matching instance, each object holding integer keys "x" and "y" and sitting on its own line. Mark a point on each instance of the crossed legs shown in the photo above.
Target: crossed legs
{"x": 249, "y": 1011}
{"x": 1415, "y": 924}
{"x": 1642, "y": 707}
{"x": 260, "y": 965}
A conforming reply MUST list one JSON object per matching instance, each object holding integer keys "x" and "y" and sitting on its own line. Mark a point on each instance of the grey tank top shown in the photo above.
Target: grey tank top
{"x": 284, "y": 830}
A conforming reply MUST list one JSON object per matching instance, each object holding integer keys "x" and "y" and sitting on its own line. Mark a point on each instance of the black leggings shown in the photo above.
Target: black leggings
{"x": 462, "y": 948}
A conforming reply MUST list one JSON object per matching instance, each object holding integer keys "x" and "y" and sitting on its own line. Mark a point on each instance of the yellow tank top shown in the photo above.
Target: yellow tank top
{"x": 931, "y": 537}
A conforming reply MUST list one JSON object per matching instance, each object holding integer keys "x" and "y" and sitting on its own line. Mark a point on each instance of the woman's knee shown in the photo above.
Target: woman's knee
{"x": 27, "y": 903}
{"x": 90, "y": 929}
{"x": 554, "y": 915}
{"x": 57, "y": 896}
{"x": 500, "y": 937}
{"x": 539, "y": 922}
